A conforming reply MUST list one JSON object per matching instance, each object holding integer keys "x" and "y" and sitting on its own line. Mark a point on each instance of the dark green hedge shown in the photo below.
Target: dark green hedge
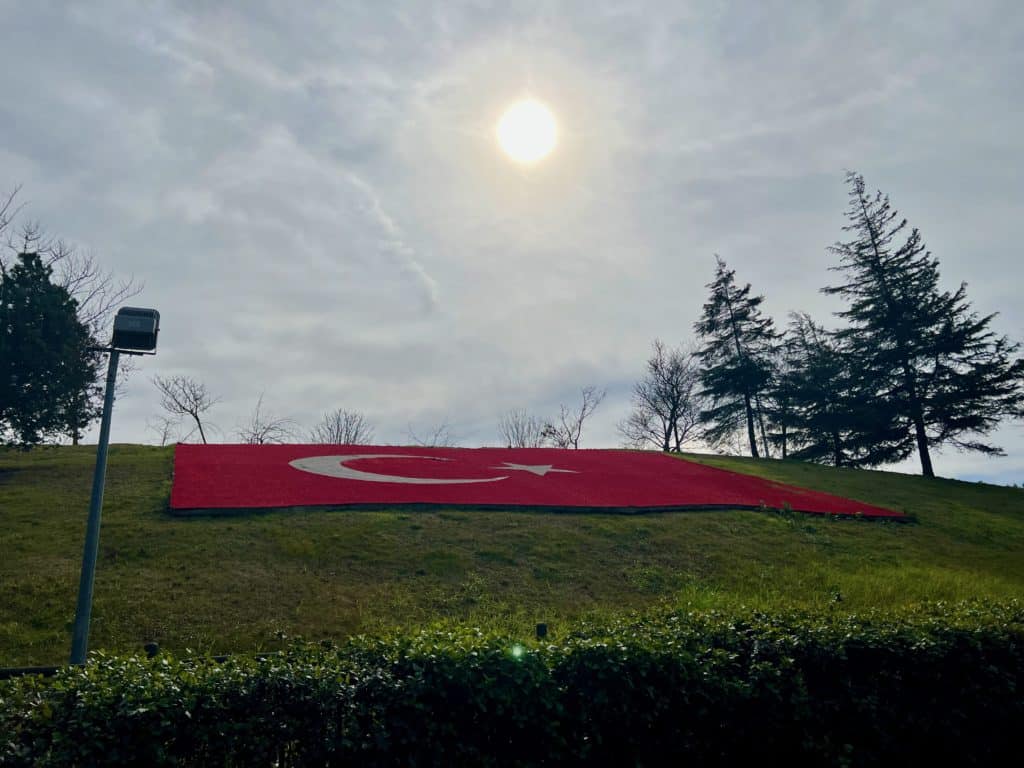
{"x": 940, "y": 685}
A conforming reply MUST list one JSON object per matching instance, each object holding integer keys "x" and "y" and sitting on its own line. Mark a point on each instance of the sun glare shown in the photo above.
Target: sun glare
{"x": 527, "y": 131}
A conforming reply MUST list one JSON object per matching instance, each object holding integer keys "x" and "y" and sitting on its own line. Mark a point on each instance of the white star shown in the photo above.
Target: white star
{"x": 536, "y": 469}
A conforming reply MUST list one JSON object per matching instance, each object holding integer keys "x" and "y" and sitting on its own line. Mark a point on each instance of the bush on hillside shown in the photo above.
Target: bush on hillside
{"x": 941, "y": 684}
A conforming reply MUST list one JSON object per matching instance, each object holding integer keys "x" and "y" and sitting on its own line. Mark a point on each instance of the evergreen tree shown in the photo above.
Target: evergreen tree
{"x": 935, "y": 371}
{"x": 45, "y": 361}
{"x": 85, "y": 406}
{"x": 736, "y": 359}
{"x": 779, "y": 409}
{"x": 828, "y": 420}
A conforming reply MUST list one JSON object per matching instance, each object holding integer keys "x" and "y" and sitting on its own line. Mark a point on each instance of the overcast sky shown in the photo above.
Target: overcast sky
{"x": 314, "y": 198}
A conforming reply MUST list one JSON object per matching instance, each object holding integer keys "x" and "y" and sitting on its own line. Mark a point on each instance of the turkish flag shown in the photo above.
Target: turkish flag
{"x": 222, "y": 477}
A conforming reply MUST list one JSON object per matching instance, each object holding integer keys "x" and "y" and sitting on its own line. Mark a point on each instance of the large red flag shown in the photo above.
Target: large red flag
{"x": 222, "y": 477}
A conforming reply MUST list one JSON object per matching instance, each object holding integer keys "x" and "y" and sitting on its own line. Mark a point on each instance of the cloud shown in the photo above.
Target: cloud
{"x": 393, "y": 243}
{"x": 321, "y": 216}
{"x": 313, "y": 196}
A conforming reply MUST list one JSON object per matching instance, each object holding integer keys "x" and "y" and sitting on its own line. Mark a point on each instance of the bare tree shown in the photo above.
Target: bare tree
{"x": 97, "y": 290}
{"x": 341, "y": 427}
{"x": 728, "y": 444}
{"x": 185, "y": 397}
{"x": 520, "y": 429}
{"x": 439, "y": 437}
{"x": 164, "y": 427}
{"x": 566, "y": 432}
{"x": 263, "y": 429}
{"x": 667, "y": 402}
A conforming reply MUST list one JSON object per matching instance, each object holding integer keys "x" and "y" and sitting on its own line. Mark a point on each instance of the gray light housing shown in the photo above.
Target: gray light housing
{"x": 135, "y": 329}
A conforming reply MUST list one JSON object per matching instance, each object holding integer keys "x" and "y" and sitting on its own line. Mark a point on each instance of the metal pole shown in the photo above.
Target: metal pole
{"x": 83, "y": 612}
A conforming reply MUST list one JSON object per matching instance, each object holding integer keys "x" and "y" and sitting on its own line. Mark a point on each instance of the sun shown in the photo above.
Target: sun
{"x": 527, "y": 131}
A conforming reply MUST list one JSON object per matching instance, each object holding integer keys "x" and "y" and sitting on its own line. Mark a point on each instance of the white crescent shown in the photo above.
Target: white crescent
{"x": 334, "y": 466}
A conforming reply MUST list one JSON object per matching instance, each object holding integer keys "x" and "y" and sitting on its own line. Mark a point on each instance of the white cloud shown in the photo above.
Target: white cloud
{"x": 315, "y": 202}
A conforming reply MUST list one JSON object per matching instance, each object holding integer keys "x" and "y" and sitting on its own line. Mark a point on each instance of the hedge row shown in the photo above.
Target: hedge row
{"x": 943, "y": 684}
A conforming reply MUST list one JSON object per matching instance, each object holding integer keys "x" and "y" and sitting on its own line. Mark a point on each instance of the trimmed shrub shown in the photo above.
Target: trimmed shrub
{"x": 941, "y": 684}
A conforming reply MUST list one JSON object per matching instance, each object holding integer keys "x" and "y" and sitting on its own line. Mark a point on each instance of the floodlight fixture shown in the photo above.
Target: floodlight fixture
{"x": 135, "y": 330}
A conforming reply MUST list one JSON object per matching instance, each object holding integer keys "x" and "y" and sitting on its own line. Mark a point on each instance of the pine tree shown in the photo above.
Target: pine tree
{"x": 828, "y": 420}
{"x": 779, "y": 410}
{"x": 736, "y": 359}
{"x": 935, "y": 371}
{"x": 45, "y": 361}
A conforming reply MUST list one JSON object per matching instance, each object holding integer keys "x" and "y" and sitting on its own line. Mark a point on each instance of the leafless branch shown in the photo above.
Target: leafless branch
{"x": 520, "y": 429}
{"x": 98, "y": 292}
{"x": 263, "y": 429}
{"x": 164, "y": 427}
{"x": 666, "y": 402}
{"x": 184, "y": 396}
{"x": 440, "y": 437}
{"x": 9, "y": 210}
{"x": 341, "y": 427}
{"x": 30, "y": 238}
{"x": 567, "y": 431}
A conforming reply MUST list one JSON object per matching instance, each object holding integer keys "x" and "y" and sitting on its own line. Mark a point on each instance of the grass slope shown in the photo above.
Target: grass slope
{"x": 248, "y": 582}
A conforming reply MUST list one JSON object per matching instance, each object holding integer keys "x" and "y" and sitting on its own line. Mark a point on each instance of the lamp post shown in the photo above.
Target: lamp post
{"x": 135, "y": 332}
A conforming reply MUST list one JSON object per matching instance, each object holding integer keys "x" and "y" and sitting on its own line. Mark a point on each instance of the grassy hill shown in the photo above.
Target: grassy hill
{"x": 252, "y": 581}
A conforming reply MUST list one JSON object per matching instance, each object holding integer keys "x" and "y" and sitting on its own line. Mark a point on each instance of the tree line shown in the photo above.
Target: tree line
{"x": 911, "y": 367}
{"x": 186, "y": 404}
{"x": 56, "y": 306}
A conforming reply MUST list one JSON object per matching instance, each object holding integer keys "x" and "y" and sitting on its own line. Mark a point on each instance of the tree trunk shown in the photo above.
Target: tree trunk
{"x": 760, "y": 424}
{"x": 922, "y": 446}
{"x": 750, "y": 427}
{"x": 746, "y": 393}
{"x": 917, "y": 413}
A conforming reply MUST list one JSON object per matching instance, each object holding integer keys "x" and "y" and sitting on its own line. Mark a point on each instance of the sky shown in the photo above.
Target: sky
{"x": 313, "y": 196}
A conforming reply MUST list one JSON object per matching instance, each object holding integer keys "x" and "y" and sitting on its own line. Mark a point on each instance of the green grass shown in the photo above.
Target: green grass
{"x": 253, "y": 581}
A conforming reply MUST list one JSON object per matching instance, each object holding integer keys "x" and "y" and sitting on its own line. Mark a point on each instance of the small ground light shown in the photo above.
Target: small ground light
{"x": 542, "y": 631}
{"x": 518, "y": 651}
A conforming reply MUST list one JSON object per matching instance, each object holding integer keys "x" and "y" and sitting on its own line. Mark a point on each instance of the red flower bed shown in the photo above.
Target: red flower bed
{"x": 223, "y": 477}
